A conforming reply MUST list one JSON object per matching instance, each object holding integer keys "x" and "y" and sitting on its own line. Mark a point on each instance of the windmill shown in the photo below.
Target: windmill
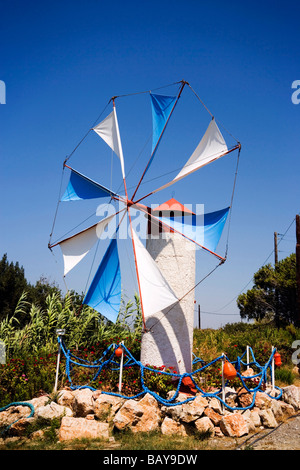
{"x": 156, "y": 293}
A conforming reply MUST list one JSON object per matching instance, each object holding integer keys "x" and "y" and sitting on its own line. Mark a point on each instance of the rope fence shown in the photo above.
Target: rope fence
{"x": 107, "y": 361}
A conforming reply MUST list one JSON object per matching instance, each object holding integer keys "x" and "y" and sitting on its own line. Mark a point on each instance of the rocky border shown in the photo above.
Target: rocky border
{"x": 87, "y": 414}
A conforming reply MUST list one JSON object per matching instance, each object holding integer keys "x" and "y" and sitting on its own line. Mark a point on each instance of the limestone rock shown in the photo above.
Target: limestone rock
{"x": 262, "y": 400}
{"x": 66, "y": 398}
{"x": 187, "y": 412}
{"x": 234, "y": 425}
{"x": 83, "y": 402}
{"x": 248, "y": 419}
{"x": 216, "y": 405}
{"x": 204, "y": 425}
{"x": 268, "y": 418}
{"x": 244, "y": 398}
{"x": 52, "y": 411}
{"x": 79, "y": 428}
{"x": 19, "y": 427}
{"x": 213, "y": 416}
{"x": 14, "y": 413}
{"x": 291, "y": 395}
{"x": 144, "y": 415}
{"x": 276, "y": 408}
{"x": 169, "y": 427}
{"x": 106, "y": 406}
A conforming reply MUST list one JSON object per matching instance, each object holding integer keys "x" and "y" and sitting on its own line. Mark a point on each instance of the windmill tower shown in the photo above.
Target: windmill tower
{"x": 168, "y": 338}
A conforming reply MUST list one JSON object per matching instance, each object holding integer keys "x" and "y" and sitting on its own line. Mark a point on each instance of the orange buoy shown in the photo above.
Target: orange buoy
{"x": 119, "y": 351}
{"x": 229, "y": 371}
{"x": 277, "y": 359}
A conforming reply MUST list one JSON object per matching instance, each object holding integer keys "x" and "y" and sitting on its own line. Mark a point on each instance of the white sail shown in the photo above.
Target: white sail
{"x": 108, "y": 130}
{"x": 75, "y": 248}
{"x": 211, "y": 147}
{"x": 155, "y": 291}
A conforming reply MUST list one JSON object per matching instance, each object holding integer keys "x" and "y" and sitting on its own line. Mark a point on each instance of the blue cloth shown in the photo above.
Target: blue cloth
{"x": 104, "y": 294}
{"x": 207, "y": 232}
{"x": 82, "y": 187}
{"x": 161, "y": 109}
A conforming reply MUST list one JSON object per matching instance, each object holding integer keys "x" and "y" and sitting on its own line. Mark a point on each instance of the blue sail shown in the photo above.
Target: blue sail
{"x": 82, "y": 187}
{"x": 104, "y": 294}
{"x": 207, "y": 233}
{"x": 161, "y": 109}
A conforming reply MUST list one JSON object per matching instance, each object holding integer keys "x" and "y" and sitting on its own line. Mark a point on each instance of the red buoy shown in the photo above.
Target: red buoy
{"x": 119, "y": 351}
{"x": 277, "y": 359}
{"x": 229, "y": 371}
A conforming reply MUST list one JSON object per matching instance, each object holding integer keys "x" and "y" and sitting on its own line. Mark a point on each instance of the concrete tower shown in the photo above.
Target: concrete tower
{"x": 168, "y": 339}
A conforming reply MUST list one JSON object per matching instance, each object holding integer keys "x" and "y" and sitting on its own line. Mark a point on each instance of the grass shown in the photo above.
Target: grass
{"x": 125, "y": 441}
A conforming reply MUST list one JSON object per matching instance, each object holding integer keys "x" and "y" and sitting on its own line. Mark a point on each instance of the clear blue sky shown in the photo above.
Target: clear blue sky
{"x": 62, "y": 61}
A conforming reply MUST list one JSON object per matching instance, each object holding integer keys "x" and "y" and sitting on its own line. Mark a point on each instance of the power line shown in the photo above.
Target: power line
{"x": 271, "y": 254}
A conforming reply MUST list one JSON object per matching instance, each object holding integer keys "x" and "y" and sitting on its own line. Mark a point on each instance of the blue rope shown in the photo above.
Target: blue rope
{"x": 17, "y": 403}
{"x": 107, "y": 361}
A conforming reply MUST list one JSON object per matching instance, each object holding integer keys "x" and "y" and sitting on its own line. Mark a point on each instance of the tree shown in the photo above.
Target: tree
{"x": 274, "y": 294}
{"x": 12, "y": 285}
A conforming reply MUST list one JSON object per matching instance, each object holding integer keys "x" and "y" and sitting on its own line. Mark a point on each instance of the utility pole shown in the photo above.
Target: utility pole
{"x": 276, "y": 263}
{"x": 298, "y": 267}
{"x": 276, "y": 248}
{"x": 199, "y": 317}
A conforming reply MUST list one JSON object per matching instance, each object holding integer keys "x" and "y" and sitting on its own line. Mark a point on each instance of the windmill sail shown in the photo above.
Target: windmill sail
{"x": 207, "y": 233}
{"x": 82, "y": 187}
{"x": 161, "y": 109}
{"x": 75, "y": 248}
{"x": 211, "y": 147}
{"x": 108, "y": 130}
{"x": 104, "y": 294}
{"x": 156, "y": 293}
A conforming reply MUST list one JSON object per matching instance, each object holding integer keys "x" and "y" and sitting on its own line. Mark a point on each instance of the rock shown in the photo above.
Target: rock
{"x": 79, "y": 428}
{"x": 144, "y": 415}
{"x": 262, "y": 400}
{"x": 83, "y": 402}
{"x": 245, "y": 398}
{"x": 255, "y": 418}
{"x": 248, "y": 418}
{"x": 288, "y": 410}
{"x": 66, "y": 398}
{"x": 291, "y": 395}
{"x": 216, "y": 405}
{"x": 218, "y": 432}
{"x": 204, "y": 425}
{"x": 248, "y": 372}
{"x": 40, "y": 434}
{"x": 193, "y": 409}
{"x": 267, "y": 418}
{"x": 213, "y": 416}
{"x": 52, "y": 411}
{"x": 276, "y": 408}
{"x": 106, "y": 406}
{"x": 234, "y": 425}
{"x": 19, "y": 427}
{"x": 39, "y": 401}
{"x": 169, "y": 427}
{"x": 14, "y": 413}
{"x": 187, "y": 412}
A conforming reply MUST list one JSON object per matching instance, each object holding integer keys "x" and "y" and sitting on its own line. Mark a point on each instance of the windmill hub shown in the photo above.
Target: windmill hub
{"x": 129, "y": 203}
